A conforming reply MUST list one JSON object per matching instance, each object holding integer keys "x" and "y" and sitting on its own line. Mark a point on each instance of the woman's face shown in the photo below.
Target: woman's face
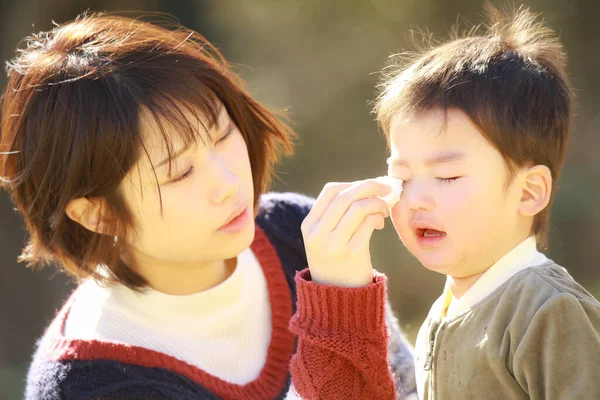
{"x": 207, "y": 199}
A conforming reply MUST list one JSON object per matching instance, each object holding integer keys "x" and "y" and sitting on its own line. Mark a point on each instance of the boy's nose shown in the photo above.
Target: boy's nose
{"x": 418, "y": 197}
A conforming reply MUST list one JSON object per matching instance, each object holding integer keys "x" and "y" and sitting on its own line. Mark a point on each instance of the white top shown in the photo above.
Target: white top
{"x": 225, "y": 331}
{"x": 522, "y": 256}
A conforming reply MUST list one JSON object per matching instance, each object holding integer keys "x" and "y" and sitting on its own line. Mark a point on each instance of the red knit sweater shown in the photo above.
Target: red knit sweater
{"x": 342, "y": 348}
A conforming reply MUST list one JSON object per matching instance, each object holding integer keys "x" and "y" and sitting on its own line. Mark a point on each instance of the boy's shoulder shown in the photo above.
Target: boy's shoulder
{"x": 547, "y": 284}
{"x": 556, "y": 332}
{"x": 540, "y": 299}
{"x": 545, "y": 292}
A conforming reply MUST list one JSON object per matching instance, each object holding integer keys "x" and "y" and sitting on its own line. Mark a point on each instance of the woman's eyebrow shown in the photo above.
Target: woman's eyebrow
{"x": 174, "y": 157}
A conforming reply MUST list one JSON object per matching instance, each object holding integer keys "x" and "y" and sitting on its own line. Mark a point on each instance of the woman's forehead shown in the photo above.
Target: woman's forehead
{"x": 164, "y": 137}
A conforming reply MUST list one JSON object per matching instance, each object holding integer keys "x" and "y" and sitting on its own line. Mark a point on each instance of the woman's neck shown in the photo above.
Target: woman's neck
{"x": 183, "y": 278}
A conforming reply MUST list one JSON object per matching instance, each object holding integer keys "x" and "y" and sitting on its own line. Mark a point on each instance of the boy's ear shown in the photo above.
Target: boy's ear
{"x": 88, "y": 212}
{"x": 535, "y": 191}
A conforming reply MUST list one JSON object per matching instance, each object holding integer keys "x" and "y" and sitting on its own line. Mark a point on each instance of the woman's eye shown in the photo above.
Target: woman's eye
{"x": 229, "y": 132}
{"x": 184, "y": 176}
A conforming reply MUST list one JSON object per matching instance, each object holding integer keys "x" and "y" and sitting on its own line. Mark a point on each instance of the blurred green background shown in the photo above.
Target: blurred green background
{"x": 319, "y": 60}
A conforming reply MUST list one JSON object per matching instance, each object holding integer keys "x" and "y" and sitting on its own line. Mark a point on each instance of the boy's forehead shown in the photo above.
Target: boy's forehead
{"x": 449, "y": 156}
{"x": 433, "y": 132}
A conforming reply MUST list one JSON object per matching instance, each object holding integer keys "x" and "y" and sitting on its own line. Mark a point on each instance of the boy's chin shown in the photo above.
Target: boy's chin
{"x": 439, "y": 265}
{"x": 438, "y": 260}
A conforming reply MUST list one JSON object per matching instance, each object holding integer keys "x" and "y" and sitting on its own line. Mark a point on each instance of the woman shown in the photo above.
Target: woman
{"x": 139, "y": 163}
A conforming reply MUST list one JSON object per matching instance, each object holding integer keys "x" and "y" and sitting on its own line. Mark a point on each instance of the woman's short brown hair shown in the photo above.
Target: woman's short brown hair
{"x": 71, "y": 118}
{"x": 510, "y": 80}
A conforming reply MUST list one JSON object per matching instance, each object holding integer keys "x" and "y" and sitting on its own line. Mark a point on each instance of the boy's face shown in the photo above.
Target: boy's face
{"x": 458, "y": 213}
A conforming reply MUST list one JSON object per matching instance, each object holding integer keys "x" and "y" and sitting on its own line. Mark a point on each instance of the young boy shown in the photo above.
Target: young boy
{"x": 477, "y": 129}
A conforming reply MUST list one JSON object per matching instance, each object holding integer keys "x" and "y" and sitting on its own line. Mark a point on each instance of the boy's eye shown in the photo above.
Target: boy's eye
{"x": 448, "y": 180}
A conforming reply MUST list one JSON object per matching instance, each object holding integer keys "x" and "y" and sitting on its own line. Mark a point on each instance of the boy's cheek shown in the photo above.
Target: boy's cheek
{"x": 399, "y": 221}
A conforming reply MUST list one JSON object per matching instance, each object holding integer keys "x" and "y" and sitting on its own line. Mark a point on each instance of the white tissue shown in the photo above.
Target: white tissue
{"x": 394, "y": 196}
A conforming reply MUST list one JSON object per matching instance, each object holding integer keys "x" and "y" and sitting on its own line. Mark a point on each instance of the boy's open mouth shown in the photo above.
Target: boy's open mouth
{"x": 426, "y": 235}
{"x": 427, "y": 232}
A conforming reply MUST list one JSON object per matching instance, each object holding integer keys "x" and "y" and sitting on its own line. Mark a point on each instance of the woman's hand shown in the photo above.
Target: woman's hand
{"x": 338, "y": 229}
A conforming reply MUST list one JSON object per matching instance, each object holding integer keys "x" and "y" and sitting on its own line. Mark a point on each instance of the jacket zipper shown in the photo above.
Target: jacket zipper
{"x": 436, "y": 330}
{"x": 432, "y": 336}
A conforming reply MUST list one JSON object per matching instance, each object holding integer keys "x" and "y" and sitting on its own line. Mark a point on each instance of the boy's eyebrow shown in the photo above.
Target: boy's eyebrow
{"x": 441, "y": 158}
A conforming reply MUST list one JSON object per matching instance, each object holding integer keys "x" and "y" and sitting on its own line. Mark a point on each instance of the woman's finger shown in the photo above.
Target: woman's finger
{"x": 362, "y": 236}
{"x": 357, "y": 213}
{"x": 329, "y": 192}
{"x": 346, "y": 197}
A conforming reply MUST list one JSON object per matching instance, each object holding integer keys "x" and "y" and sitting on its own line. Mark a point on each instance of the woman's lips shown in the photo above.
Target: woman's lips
{"x": 237, "y": 220}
